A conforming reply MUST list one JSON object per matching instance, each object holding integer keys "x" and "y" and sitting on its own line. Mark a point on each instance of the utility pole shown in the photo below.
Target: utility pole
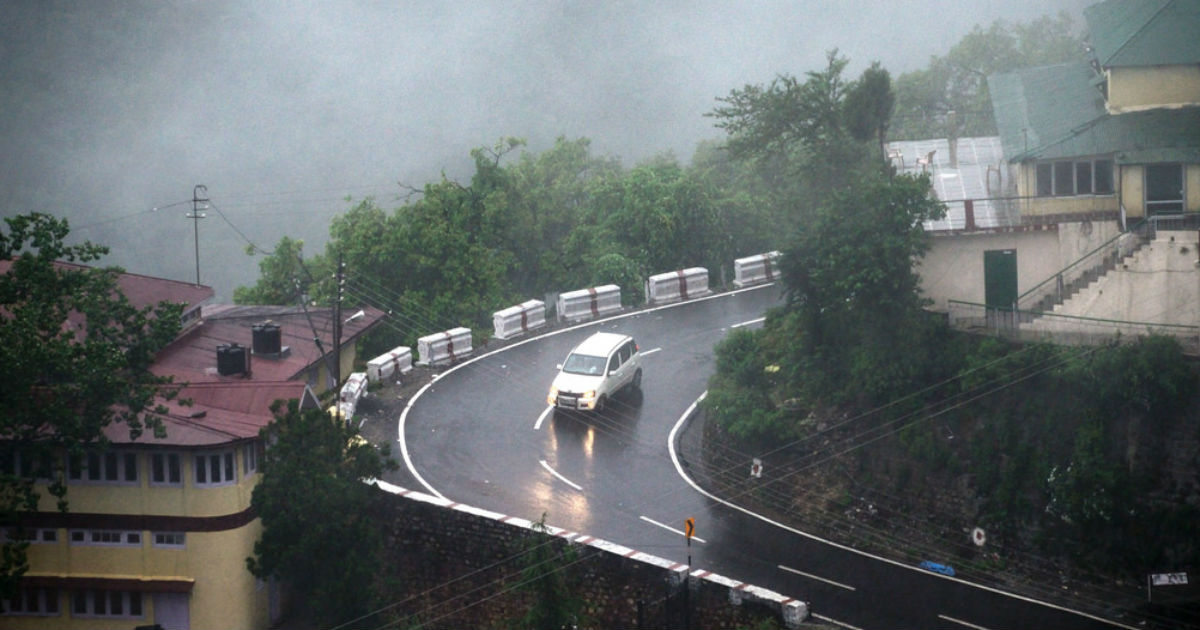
{"x": 195, "y": 216}
{"x": 340, "y": 281}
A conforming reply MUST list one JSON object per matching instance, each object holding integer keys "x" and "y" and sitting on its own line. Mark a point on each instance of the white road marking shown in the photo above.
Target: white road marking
{"x": 538, "y": 425}
{"x": 412, "y": 469}
{"x": 817, "y": 577}
{"x": 679, "y": 469}
{"x": 750, "y": 323}
{"x": 835, "y": 622}
{"x": 651, "y": 351}
{"x": 669, "y": 528}
{"x": 562, "y": 478}
{"x": 961, "y": 622}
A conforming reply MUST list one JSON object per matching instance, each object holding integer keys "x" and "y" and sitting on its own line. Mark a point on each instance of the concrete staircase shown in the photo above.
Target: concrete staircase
{"x": 1156, "y": 286}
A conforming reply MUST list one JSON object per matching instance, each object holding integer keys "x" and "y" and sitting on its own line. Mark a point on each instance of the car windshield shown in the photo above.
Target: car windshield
{"x": 584, "y": 364}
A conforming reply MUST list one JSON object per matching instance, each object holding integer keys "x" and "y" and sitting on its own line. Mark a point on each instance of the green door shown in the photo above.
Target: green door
{"x": 1000, "y": 278}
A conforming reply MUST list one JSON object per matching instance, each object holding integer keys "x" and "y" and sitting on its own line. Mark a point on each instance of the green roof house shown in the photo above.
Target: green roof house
{"x": 1117, "y": 135}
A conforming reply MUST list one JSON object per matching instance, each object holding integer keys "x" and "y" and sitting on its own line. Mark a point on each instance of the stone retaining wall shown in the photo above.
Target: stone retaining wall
{"x": 456, "y": 566}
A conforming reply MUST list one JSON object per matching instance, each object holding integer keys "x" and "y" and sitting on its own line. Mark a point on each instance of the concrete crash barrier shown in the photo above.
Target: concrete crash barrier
{"x": 589, "y": 303}
{"x": 677, "y": 286}
{"x": 354, "y": 389}
{"x": 515, "y": 320}
{"x": 755, "y": 269}
{"x": 398, "y": 361}
{"x": 444, "y": 347}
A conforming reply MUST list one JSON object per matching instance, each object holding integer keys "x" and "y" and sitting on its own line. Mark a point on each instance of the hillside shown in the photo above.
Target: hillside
{"x": 1067, "y": 475}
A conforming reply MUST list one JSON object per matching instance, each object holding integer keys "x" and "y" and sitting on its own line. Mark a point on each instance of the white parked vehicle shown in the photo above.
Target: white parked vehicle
{"x": 596, "y": 369}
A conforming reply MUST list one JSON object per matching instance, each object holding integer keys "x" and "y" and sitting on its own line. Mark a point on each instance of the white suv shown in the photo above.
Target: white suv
{"x": 595, "y": 370}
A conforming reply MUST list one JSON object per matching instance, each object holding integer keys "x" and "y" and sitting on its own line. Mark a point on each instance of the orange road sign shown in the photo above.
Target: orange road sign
{"x": 689, "y": 527}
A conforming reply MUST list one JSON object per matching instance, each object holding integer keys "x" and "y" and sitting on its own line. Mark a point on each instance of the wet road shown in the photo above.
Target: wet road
{"x": 482, "y": 435}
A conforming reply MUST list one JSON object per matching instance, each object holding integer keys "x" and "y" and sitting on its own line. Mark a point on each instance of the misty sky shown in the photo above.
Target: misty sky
{"x": 282, "y": 109}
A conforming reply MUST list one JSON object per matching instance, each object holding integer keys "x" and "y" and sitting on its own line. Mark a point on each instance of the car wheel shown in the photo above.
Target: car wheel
{"x": 601, "y": 403}
{"x": 637, "y": 380}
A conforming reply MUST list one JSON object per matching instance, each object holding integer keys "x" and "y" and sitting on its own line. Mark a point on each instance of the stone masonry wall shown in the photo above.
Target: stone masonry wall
{"x": 456, "y": 566}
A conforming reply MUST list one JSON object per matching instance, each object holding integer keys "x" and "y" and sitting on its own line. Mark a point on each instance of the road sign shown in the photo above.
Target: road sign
{"x": 689, "y": 528}
{"x": 1165, "y": 579}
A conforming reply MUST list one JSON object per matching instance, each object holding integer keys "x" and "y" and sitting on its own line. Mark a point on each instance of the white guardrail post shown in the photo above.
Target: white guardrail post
{"x": 444, "y": 347}
{"x": 755, "y": 269}
{"x": 677, "y": 286}
{"x": 589, "y": 303}
{"x": 515, "y": 320}
{"x": 352, "y": 391}
{"x": 397, "y": 361}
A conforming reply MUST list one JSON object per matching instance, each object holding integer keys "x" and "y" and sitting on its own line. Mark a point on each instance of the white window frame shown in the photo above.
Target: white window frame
{"x": 43, "y": 535}
{"x": 169, "y": 540}
{"x": 166, "y": 458}
{"x": 107, "y": 467}
{"x": 45, "y": 603}
{"x": 250, "y": 458}
{"x": 226, "y": 466}
{"x": 88, "y": 598}
{"x": 105, "y": 537}
{"x": 1057, "y": 187}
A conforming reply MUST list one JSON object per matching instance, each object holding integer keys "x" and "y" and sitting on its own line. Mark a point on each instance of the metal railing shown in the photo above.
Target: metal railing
{"x": 1033, "y": 326}
{"x": 1054, "y": 290}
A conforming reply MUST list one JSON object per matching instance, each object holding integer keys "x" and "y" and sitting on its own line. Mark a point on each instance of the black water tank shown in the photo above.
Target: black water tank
{"x": 267, "y": 338}
{"x": 231, "y": 359}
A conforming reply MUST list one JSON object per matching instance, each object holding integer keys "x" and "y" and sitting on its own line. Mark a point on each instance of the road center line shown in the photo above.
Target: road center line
{"x": 817, "y": 577}
{"x": 751, "y": 322}
{"x": 669, "y": 528}
{"x": 835, "y": 622}
{"x": 538, "y": 425}
{"x": 652, "y": 351}
{"x": 562, "y": 478}
{"x": 961, "y": 622}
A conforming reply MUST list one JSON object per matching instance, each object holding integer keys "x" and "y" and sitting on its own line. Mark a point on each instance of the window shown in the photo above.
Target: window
{"x": 250, "y": 458}
{"x": 119, "y": 467}
{"x": 29, "y": 465}
{"x": 169, "y": 539}
{"x": 215, "y": 469}
{"x": 32, "y": 535}
{"x": 106, "y": 537}
{"x": 33, "y": 601}
{"x": 165, "y": 469}
{"x": 101, "y": 603}
{"x": 1067, "y": 178}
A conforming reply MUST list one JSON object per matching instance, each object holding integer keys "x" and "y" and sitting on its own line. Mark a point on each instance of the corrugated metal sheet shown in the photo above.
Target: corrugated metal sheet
{"x": 967, "y": 180}
{"x": 1130, "y": 33}
{"x": 1040, "y": 107}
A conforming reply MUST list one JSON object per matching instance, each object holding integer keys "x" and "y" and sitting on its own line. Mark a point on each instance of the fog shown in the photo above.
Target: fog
{"x": 109, "y": 110}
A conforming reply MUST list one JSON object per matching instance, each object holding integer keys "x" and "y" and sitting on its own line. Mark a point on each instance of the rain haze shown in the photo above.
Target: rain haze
{"x": 283, "y": 110}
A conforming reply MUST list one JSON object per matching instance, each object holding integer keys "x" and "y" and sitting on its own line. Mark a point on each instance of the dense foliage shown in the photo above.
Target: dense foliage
{"x": 74, "y": 359}
{"x": 318, "y": 532}
{"x": 957, "y": 81}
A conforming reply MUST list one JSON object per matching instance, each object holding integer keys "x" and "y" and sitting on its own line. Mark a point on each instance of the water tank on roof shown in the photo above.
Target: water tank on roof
{"x": 231, "y": 359}
{"x": 267, "y": 338}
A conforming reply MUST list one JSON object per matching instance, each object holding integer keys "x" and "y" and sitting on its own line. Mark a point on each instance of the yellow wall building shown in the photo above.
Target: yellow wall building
{"x": 158, "y": 530}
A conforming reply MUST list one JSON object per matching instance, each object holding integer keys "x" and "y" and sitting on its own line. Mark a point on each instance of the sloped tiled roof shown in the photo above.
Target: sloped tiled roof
{"x": 193, "y": 357}
{"x": 220, "y": 413}
{"x": 1055, "y": 112}
{"x": 1144, "y": 32}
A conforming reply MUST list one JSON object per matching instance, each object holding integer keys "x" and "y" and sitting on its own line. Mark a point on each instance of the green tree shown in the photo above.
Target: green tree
{"x": 283, "y": 276}
{"x": 554, "y": 604}
{"x": 74, "y": 359}
{"x": 868, "y": 106}
{"x": 958, "y": 81}
{"x": 850, "y": 279}
{"x": 318, "y": 533}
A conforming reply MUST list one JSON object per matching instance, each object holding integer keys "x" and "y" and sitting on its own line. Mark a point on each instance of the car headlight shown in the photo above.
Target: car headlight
{"x": 552, "y": 398}
{"x": 589, "y": 395}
